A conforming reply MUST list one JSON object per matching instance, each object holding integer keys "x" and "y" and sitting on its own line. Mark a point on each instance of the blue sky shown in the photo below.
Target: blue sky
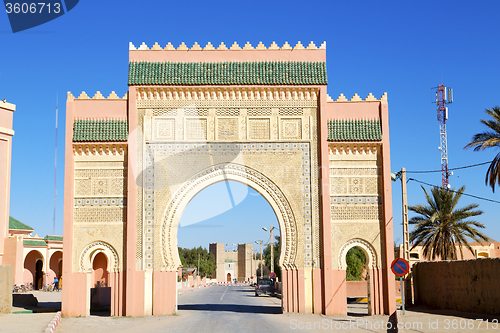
{"x": 399, "y": 47}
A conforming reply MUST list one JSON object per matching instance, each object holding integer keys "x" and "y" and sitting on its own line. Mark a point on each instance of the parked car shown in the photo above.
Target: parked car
{"x": 264, "y": 286}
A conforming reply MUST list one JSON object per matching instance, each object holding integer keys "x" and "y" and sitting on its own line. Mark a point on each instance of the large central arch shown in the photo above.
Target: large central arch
{"x": 223, "y": 172}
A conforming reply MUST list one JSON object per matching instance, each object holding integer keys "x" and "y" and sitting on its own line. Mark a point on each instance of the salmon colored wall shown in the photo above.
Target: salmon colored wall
{"x": 6, "y": 133}
{"x": 353, "y": 110}
{"x": 135, "y": 276}
{"x": 317, "y": 291}
{"x": 328, "y": 283}
{"x": 100, "y": 108}
{"x": 164, "y": 293}
{"x": 339, "y": 298}
{"x": 30, "y": 266}
{"x": 463, "y": 285}
{"x": 388, "y": 292}
{"x": 100, "y": 269}
{"x": 233, "y": 55}
{"x": 72, "y": 291}
{"x": 54, "y": 265}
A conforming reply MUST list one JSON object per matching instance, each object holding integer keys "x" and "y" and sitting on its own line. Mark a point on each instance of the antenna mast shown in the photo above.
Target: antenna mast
{"x": 444, "y": 95}
{"x": 55, "y": 169}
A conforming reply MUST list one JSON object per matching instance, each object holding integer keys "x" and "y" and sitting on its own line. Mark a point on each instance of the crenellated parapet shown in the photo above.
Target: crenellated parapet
{"x": 357, "y": 98}
{"x": 97, "y": 95}
{"x": 235, "y": 46}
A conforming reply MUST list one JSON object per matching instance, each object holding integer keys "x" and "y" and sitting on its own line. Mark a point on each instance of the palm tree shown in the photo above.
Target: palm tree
{"x": 440, "y": 225}
{"x": 489, "y": 139}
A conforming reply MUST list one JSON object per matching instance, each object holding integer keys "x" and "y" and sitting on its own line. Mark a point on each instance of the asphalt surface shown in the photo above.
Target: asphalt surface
{"x": 236, "y": 309}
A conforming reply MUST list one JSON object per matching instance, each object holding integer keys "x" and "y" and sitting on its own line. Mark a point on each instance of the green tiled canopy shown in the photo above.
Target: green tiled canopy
{"x": 100, "y": 130}
{"x": 221, "y": 73}
{"x": 18, "y": 225}
{"x": 53, "y": 238}
{"x": 354, "y": 130}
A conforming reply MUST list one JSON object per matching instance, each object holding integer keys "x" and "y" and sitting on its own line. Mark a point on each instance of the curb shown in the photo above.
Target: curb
{"x": 51, "y": 328}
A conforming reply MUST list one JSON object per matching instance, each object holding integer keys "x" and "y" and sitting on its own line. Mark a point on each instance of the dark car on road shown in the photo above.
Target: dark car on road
{"x": 264, "y": 286}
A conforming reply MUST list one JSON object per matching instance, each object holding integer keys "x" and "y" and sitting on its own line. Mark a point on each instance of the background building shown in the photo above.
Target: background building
{"x": 231, "y": 265}
{"x": 33, "y": 259}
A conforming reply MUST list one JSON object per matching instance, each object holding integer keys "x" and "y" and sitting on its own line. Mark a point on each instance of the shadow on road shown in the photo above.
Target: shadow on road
{"x": 232, "y": 308}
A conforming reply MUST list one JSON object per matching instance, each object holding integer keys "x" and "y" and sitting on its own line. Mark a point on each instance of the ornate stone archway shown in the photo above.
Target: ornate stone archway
{"x": 242, "y": 174}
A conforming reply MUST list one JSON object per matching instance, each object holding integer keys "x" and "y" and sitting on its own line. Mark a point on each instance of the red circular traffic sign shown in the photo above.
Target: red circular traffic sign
{"x": 272, "y": 275}
{"x": 400, "y": 266}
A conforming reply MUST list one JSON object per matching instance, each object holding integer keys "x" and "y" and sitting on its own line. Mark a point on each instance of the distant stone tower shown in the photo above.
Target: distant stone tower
{"x": 244, "y": 262}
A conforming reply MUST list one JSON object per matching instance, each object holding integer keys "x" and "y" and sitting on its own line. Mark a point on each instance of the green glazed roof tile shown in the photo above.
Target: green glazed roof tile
{"x": 53, "y": 238}
{"x": 100, "y": 130}
{"x": 354, "y": 130}
{"x": 223, "y": 73}
{"x": 17, "y": 225}
{"x": 34, "y": 243}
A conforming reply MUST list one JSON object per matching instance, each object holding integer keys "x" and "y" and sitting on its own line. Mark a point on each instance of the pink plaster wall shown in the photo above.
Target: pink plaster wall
{"x": 54, "y": 265}
{"x": 100, "y": 269}
{"x": 353, "y": 110}
{"x": 99, "y": 108}
{"x": 463, "y": 285}
{"x": 360, "y": 288}
{"x": 233, "y": 55}
{"x": 30, "y": 266}
{"x": 6, "y": 122}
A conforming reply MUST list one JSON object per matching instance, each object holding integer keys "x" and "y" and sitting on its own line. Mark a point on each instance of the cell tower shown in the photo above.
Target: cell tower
{"x": 444, "y": 95}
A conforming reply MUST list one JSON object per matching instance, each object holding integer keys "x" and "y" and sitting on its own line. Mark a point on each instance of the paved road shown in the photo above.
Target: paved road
{"x": 212, "y": 309}
{"x": 236, "y": 309}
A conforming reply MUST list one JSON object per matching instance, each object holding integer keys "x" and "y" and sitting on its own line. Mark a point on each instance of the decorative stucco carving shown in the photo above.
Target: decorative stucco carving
{"x": 367, "y": 248}
{"x": 87, "y": 255}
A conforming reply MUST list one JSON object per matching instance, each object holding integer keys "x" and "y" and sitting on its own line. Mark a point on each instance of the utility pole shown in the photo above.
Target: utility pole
{"x": 406, "y": 234}
{"x": 406, "y": 286}
{"x": 272, "y": 250}
{"x": 261, "y": 263}
{"x": 406, "y": 240}
{"x": 198, "y": 264}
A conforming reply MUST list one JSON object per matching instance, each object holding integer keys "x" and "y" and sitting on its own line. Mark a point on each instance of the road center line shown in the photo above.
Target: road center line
{"x": 224, "y": 293}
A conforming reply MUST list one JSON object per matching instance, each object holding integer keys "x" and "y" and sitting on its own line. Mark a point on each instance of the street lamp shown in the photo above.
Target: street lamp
{"x": 272, "y": 247}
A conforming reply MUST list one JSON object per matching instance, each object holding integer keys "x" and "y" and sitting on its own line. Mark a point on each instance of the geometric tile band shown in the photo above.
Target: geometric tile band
{"x": 226, "y": 147}
{"x": 355, "y": 200}
{"x": 119, "y": 201}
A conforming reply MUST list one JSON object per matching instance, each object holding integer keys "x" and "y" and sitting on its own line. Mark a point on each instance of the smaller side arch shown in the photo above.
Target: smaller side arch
{"x": 93, "y": 249}
{"x": 365, "y": 246}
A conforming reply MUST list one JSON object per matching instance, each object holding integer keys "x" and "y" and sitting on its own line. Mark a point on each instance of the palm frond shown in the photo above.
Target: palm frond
{"x": 440, "y": 225}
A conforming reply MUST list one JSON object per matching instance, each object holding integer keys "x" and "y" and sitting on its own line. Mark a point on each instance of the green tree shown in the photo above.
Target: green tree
{"x": 267, "y": 257}
{"x": 356, "y": 263}
{"x": 440, "y": 225}
{"x": 189, "y": 259}
{"x": 489, "y": 139}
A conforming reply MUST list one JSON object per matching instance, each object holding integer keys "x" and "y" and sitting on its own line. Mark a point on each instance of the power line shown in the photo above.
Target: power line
{"x": 469, "y": 195}
{"x": 463, "y": 167}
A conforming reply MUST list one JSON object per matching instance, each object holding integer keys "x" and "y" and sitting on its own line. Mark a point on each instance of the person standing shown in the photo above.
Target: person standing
{"x": 56, "y": 283}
